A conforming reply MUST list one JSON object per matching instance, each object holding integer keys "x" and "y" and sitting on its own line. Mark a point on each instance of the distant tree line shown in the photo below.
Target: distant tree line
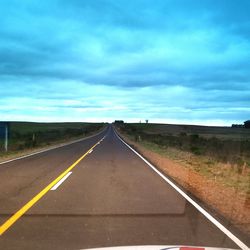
{"x": 245, "y": 125}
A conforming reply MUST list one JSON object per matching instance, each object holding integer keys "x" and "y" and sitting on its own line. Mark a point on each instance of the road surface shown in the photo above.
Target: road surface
{"x": 109, "y": 198}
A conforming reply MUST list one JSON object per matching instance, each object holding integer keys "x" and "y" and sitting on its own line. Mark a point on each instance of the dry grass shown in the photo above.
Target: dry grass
{"x": 217, "y": 184}
{"x": 223, "y": 173}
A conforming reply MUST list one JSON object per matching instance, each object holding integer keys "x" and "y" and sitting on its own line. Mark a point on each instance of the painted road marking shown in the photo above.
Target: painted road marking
{"x": 190, "y": 200}
{"x": 103, "y": 138}
{"x": 35, "y": 199}
{"x": 100, "y": 141}
{"x": 48, "y": 149}
{"x": 90, "y": 151}
{"x": 61, "y": 181}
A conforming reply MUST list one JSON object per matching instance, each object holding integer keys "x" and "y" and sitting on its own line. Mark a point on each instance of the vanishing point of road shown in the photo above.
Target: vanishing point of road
{"x": 94, "y": 193}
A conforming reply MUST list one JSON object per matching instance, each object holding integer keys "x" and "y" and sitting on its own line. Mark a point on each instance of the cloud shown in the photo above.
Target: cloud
{"x": 151, "y": 58}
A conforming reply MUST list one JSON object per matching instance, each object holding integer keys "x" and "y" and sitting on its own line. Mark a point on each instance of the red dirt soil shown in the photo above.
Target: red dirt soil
{"x": 232, "y": 204}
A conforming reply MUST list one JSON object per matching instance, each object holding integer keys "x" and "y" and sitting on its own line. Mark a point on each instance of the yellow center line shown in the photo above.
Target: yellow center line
{"x": 35, "y": 199}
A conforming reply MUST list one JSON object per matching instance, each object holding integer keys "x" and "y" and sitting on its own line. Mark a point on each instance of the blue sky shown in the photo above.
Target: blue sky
{"x": 167, "y": 61}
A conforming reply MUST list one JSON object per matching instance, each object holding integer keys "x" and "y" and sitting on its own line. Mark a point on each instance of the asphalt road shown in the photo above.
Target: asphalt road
{"x": 111, "y": 198}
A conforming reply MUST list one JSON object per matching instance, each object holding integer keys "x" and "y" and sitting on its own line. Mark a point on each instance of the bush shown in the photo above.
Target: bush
{"x": 183, "y": 134}
{"x": 218, "y": 149}
{"x": 194, "y": 138}
{"x": 195, "y": 150}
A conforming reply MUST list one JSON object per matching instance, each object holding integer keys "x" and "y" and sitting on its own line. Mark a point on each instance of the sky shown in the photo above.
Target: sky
{"x": 169, "y": 61}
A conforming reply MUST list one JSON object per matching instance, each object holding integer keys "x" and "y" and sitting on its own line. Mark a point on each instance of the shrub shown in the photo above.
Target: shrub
{"x": 195, "y": 150}
{"x": 183, "y": 134}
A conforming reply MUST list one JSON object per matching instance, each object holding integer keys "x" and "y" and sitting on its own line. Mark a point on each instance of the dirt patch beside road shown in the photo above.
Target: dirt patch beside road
{"x": 230, "y": 202}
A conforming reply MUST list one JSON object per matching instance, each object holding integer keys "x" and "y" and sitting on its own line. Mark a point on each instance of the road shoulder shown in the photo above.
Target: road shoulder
{"x": 225, "y": 202}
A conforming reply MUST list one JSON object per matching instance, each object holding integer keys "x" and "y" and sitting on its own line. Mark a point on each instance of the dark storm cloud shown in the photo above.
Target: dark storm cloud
{"x": 90, "y": 40}
{"x": 203, "y": 46}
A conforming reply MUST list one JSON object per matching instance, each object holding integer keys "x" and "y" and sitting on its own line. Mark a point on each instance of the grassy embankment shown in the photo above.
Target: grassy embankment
{"x": 29, "y": 136}
{"x": 218, "y": 153}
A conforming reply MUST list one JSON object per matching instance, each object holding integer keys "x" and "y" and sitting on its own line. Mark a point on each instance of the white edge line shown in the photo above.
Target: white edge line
{"x": 61, "y": 181}
{"x": 48, "y": 149}
{"x": 190, "y": 200}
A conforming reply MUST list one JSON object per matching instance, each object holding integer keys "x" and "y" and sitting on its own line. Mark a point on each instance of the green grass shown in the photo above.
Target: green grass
{"x": 28, "y": 135}
{"x": 226, "y": 161}
{"x": 226, "y": 149}
{"x": 32, "y": 127}
{"x": 203, "y": 131}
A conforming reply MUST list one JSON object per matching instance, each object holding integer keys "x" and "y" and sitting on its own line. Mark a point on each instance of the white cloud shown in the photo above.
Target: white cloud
{"x": 180, "y": 62}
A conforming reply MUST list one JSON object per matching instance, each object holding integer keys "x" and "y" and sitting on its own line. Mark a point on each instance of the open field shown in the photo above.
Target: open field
{"x": 28, "y": 135}
{"x": 203, "y": 131}
{"x": 221, "y": 181}
{"x": 223, "y": 144}
{"x": 220, "y": 153}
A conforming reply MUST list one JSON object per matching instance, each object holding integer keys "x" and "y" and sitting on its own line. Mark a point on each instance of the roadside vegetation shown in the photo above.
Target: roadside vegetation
{"x": 28, "y": 135}
{"x": 212, "y": 163}
{"x": 220, "y": 153}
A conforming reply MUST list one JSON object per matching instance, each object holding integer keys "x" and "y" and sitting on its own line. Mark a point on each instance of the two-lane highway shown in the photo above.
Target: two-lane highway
{"x": 106, "y": 196}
